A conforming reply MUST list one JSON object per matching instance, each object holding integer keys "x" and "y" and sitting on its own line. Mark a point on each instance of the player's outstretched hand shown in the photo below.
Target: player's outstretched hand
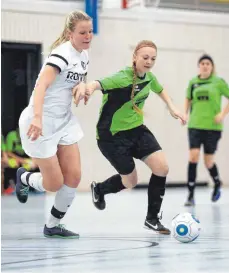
{"x": 178, "y": 115}
{"x": 90, "y": 88}
{"x": 78, "y": 92}
{"x": 87, "y": 96}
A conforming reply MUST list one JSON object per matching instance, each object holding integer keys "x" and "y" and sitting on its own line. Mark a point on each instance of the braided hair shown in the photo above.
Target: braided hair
{"x": 144, "y": 43}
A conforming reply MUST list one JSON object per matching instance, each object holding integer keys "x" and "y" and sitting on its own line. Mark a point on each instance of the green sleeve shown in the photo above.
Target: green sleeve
{"x": 115, "y": 81}
{"x": 224, "y": 88}
{"x": 189, "y": 91}
{"x": 10, "y": 139}
{"x": 3, "y": 145}
{"x": 155, "y": 85}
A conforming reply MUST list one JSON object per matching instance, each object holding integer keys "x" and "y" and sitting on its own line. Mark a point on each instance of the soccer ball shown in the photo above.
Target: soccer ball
{"x": 185, "y": 227}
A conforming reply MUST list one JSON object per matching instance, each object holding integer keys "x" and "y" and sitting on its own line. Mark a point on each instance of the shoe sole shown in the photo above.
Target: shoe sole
{"x": 157, "y": 232}
{"x": 61, "y": 237}
{"x": 19, "y": 172}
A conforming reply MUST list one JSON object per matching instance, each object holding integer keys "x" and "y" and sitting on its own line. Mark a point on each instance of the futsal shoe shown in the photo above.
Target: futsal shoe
{"x": 97, "y": 198}
{"x": 22, "y": 190}
{"x": 216, "y": 192}
{"x": 59, "y": 231}
{"x": 190, "y": 201}
{"x": 156, "y": 226}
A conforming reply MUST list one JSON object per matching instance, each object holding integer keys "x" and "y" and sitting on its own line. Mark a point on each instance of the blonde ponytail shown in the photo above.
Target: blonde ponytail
{"x": 62, "y": 39}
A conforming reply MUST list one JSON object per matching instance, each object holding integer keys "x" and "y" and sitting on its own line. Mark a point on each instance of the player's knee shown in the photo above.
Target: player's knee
{"x": 55, "y": 185}
{"x": 165, "y": 169}
{"x": 73, "y": 179}
{"x": 162, "y": 170}
{"x": 130, "y": 181}
{"x": 209, "y": 164}
{"x": 194, "y": 158}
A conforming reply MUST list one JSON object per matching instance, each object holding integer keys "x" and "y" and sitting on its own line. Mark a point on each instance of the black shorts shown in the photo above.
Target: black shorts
{"x": 126, "y": 145}
{"x": 209, "y": 139}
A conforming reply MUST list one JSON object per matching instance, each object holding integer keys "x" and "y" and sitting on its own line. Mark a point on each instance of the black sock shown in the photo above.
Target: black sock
{"x": 214, "y": 174}
{"x": 112, "y": 185}
{"x": 156, "y": 191}
{"x": 191, "y": 177}
{"x": 56, "y": 213}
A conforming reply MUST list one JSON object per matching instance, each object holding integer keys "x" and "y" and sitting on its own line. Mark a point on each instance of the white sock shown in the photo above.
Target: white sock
{"x": 63, "y": 200}
{"x": 23, "y": 178}
{"x": 52, "y": 222}
{"x": 35, "y": 181}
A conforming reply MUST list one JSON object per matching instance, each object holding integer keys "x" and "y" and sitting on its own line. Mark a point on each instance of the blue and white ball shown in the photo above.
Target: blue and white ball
{"x": 185, "y": 227}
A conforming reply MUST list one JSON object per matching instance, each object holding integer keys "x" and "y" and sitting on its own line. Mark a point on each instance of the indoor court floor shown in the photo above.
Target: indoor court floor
{"x": 114, "y": 240}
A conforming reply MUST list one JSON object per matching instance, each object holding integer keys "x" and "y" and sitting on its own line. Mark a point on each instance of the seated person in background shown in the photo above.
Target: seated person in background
{"x": 17, "y": 157}
{"x": 4, "y": 157}
{"x": 4, "y": 162}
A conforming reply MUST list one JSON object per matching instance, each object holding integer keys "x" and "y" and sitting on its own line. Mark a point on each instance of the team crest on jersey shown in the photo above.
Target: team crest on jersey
{"x": 136, "y": 89}
{"x": 141, "y": 100}
{"x": 83, "y": 65}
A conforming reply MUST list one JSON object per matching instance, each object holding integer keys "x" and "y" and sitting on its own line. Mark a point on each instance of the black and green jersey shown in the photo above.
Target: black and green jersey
{"x": 205, "y": 96}
{"x": 13, "y": 143}
{"x": 117, "y": 112}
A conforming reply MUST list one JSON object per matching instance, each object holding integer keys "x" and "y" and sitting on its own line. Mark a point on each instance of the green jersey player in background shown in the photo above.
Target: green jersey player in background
{"x": 203, "y": 99}
{"x": 122, "y": 136}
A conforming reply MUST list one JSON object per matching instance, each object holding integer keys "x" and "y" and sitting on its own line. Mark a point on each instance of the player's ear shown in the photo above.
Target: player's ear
{"x": 68, "y": 34}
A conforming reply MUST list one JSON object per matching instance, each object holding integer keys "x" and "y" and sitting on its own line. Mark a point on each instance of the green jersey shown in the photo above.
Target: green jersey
{"x": 205, "y": 96}
{"x": 13, "y": 143}
{"x": 3, "y": 145}
{"x": 117, "y": 112}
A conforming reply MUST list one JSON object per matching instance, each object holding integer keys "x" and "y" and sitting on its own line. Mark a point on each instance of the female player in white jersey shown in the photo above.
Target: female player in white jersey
{"x": 49, "y": 131}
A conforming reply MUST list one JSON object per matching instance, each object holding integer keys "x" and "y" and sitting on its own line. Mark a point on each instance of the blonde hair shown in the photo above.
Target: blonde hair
{"x": 144, "y": 43}
{"x": 70, "y": 22}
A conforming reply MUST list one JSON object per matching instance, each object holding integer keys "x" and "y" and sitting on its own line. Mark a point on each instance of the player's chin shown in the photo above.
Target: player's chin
{"x": 86, "y": 45}
{"x": 146, "y": 69}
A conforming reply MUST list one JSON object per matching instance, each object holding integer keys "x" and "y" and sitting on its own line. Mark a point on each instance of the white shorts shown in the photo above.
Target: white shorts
{"x": 56, "y": 131}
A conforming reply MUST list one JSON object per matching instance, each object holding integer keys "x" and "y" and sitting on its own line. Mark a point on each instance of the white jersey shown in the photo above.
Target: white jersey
{"x": 73, "y": 66}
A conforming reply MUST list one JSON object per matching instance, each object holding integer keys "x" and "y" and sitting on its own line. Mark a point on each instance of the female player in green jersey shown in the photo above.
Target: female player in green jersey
{"x": 203, "y": 99}
{"x": 122, "y": 136}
